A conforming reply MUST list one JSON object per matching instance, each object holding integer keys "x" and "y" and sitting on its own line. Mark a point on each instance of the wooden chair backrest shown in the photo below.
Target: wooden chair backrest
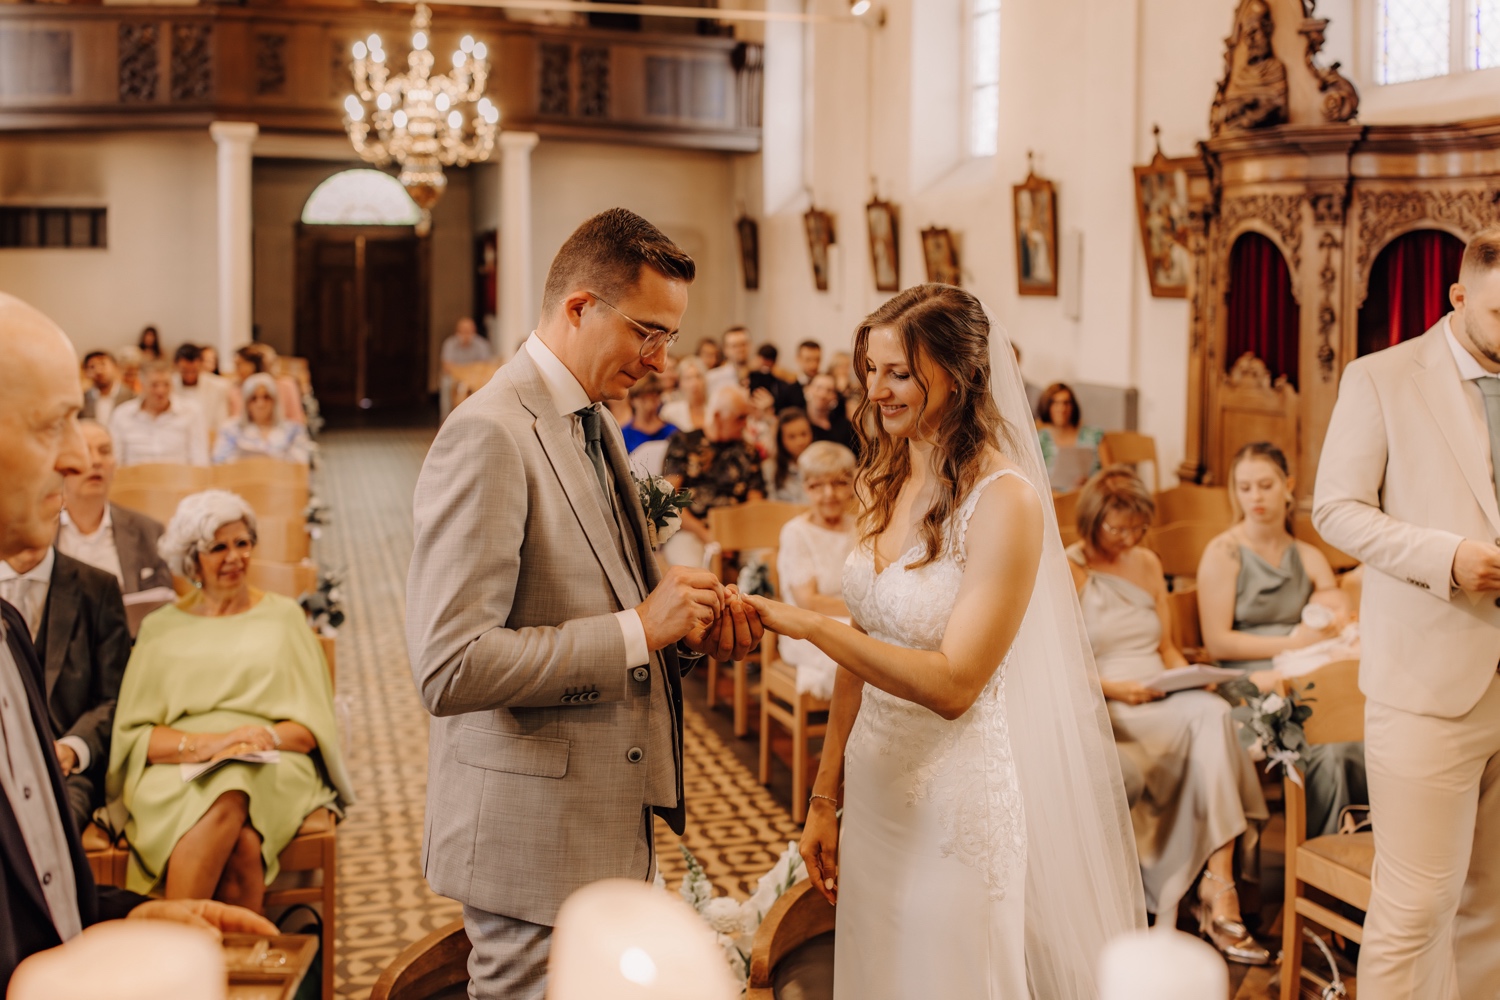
{"x": 1250, "y": 407}
{"x": 753, "y": 525}
{"x": 1181, "y": 545}
{"x": 1190, "y": 502}
{"x": 163, "y": 476}
{"x": 798, "y": 916}
{"x": 296, "y": 369}
{"x": 330, "y": 654}
{"x": 259, "y": 471}
{"x": 1130, "y": 448}
{"x": 1337, "y": 703}
{"x": 282, "y": 539}
{"x": 274, "y": 499}
{"x": 287, "y": 579}
{"x": 1066, "y": 506}
{"x": 157, "y": 504}
{"x": 429, "y": 968}
{"x": 1302, "y": 527}
{"x": 1187, "y": 630}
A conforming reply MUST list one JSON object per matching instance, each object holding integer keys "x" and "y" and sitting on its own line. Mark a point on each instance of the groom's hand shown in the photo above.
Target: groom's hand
{"x": 736, "y": 632}
{"x": 686, "y": 600}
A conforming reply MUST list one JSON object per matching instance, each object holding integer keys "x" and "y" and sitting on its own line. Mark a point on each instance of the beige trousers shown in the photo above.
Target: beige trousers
{"x": 1433, "y": 930}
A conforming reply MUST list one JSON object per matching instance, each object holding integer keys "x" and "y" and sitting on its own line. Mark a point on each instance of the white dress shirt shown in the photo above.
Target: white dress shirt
{"x": 177, "y": 435}
{"x": 210, "y": 395}
{"x": 569, "y": 397}
{"x": 27, "y": 592}
{"x": 1470, "y": 371}
{"x": 98, "y": 549}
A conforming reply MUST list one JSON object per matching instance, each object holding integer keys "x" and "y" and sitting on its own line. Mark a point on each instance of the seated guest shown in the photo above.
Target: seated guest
{"x": 107, "y": 390}
{"x": 204, "y": 390}
{"x": 766, "y": 377}
{"x": 77, "y": 621}
{"x": 646, "y": 423}
{"x": 1200, "y": 787}
{"x": 842, "y": 370}
{"x": 48, "y": 893}
{"x": 718, "y": 466}
{"x": 809, "y": 361}
{"x": 255, "y": 358}
{"x": 1254, "y": 581}
{"x": 464, "y": 346}
{"x": 1071, "y": 450}
{"x": 158, "y": 426}
{"x": 107, "y": 536}
{"x": 688, "y": 412}
{"x": 782, "y": 469}
{"x": 228, "y": 669}
{"x": 130, "y": 368}
{"x": 149, "y": 344}
{"x": 810, "y": 561}
{"x": 262, "y": 430}
{"x": 735, "y": 368}
{"x": 829, "y": 420}
{"x": 708, "y": 354}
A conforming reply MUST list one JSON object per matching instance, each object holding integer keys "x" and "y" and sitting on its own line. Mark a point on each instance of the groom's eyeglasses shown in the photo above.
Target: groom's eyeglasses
{"x": 653, "y": 338}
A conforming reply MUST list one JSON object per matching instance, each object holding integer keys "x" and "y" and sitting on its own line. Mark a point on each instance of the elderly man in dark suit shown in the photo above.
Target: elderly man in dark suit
{"x": 77, "y": 620}
{"x": 47, "y": 895}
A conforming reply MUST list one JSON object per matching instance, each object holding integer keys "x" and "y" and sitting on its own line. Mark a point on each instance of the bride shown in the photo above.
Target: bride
{"x": 985, "y": 849}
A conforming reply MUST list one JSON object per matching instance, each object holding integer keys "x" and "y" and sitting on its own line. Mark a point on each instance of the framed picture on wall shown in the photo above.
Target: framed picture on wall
{"x": 819, "y": 225}
{"x": 486, "y": 260}
{"x": 885, "y": 245}
{"x": 940, "y": 254}
{"x": 1161, "y": 202}
{"x": 749, "y": 251}
{"x": 1036, "y": 236}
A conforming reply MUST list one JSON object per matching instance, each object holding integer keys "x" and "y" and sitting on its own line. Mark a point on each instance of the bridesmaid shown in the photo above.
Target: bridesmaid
{"x": 1253, "y": 582}
{"x": 1200, "y": 787}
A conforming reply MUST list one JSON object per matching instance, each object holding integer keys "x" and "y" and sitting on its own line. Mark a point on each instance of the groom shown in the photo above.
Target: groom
{"x": 542, "y": 636}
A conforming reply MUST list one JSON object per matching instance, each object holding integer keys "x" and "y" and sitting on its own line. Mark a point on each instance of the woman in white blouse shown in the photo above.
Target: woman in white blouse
{"x": 260, "y": 431}
{"x": 810, "y": 562}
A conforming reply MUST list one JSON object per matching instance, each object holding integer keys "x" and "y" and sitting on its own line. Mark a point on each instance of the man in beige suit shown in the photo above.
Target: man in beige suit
{"x": 542, "y": 637}
{"x": 1408, "y": 483}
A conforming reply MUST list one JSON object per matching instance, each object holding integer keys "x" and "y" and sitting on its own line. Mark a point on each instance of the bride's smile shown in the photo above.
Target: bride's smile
{"x": 908, "y": 402}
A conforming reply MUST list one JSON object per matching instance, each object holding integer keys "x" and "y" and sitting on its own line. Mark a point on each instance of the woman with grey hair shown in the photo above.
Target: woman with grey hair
{"x": 810, "y": 561}
{"x": 261, "y": 430}
{"x": 227, "y": 673}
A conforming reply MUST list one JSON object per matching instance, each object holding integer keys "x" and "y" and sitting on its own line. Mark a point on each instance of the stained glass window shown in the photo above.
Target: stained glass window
{"x": 984, "y": 77}
{"x": 361, "y": 198}
{"x": 1484, "y": 23}
{"x": 1413, "y": 39}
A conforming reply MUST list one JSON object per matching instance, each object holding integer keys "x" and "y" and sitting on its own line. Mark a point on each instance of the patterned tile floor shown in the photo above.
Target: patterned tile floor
{"x": 735, "y": 827}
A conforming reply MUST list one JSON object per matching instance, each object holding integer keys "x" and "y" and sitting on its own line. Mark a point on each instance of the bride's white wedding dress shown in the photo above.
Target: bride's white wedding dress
{"x": 933, "y": 844}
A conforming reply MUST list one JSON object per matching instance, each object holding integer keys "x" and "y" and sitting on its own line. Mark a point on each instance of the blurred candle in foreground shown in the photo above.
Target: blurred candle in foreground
{"x": 126, "y": 960}
{"x": 624, "y": 940}
{"x": 1161, "y": 965}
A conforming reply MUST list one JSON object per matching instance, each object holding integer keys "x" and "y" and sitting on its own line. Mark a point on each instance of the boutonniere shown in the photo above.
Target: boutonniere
{"x": 663, "y": 507}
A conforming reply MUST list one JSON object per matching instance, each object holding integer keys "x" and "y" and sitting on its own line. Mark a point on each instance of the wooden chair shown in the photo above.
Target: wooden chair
{"x": 1130, "y": 448}
{"x": 1302, "y": 527}
{"x": 1190, "y": 502}
{"x": 1247, "y": 406}
{"x": 470, "y": 378}
{"x": 1066, "y": 505}
{"x": 275, "y": 499}
{"x": 1181, "y": 545}
{"x": 156, "y": 489}
{"x": 288, "y": 579}
{"x": 1339, "y": 864}
{"x": 233, "y": 475}
{"x": 781, "y": 702}
{"x": 282, "y": 539}
{"x": 741, "y": 528}
{"x": 1187, "y": 630}
{"x": 434, "y": 968}
{"x": 798, "y": 916}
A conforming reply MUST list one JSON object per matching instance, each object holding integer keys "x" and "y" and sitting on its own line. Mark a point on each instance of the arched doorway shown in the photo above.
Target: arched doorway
{"x": 1261, "y": 310}
{"x": 362, "y": 294}
{"x": 1408, "y": 290}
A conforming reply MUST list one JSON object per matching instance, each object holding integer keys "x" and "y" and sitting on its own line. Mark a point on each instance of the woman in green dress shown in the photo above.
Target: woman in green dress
{"x": 226, "y": 670}
{"x": 1254, "y": 581}
{"x": 1061, "y": 430}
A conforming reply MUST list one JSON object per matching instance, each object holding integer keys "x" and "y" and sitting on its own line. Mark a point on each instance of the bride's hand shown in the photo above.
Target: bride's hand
{"x": 820, "y": 848}
{"x": 783, "y": 619}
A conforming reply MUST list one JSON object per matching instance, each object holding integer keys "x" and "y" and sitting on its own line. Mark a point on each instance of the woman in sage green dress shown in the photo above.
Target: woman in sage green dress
{"x": 1254, "y": 580}
{"x": 228, "y": 669}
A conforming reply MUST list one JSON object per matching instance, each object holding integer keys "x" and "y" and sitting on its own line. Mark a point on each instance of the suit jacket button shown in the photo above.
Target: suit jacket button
{"x": 593, "y": 696}
{"x": 641, "y": 674}
{"x": 635, "y": 755}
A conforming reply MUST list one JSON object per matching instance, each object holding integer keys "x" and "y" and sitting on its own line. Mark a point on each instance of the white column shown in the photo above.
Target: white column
{"x": 517, "y": 297}
{"x": 234, "y": 140}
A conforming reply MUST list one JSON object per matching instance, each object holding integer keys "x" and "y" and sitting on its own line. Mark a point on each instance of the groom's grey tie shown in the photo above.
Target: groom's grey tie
{"x": 594, "y": 445}
{"x": 1490, "y": 386}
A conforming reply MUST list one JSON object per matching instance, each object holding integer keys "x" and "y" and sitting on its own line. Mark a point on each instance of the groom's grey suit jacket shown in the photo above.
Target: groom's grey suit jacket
{"x": 546, "y": 745}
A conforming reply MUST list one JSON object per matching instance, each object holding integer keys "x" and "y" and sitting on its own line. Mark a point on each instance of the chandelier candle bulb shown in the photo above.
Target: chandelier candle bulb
{"x": 419, "y": 40}
{"x": 442, "y": 102}
{"x": 466, "y": 45}
{"x": 455, "y": 120}
{"x": 480, "y": 50}
{"x": 360, "y": 50}
{"x": 459, "y": 58}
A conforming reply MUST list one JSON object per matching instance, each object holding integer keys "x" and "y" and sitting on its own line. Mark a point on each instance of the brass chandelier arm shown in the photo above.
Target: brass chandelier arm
{"x": 657, "y": 10}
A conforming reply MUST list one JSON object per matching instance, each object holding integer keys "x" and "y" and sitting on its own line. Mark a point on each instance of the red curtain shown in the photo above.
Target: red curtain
{"x": 1408, "y": 288}
{"x": 1263, "y": 316}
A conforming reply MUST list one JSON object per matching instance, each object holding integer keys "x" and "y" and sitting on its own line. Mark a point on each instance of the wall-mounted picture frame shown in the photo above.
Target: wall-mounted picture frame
{"x": 940, "y": 254}
{"x": 819, "y": 226}
{"x": 1036, "y": 236}
{"x": 885, "y": 245}
{"x": 749, "y": 233}
{"x": 1161, "y": 202}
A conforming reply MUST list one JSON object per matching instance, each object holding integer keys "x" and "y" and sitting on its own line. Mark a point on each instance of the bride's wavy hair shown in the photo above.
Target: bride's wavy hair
{"x": 946, "y": 328}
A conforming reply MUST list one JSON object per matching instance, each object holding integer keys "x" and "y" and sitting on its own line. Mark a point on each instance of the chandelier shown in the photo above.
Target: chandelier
{"x": 420, "y": 121}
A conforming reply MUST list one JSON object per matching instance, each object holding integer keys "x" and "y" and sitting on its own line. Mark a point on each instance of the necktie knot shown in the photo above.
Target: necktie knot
{"x": 590, "y": 417}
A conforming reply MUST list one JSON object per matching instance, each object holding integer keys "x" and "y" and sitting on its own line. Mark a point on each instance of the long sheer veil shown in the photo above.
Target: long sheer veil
{"x": 1083, "y": 882}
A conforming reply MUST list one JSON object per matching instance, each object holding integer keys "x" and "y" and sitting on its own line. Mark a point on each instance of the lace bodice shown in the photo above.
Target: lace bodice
{"x": 965, "y": 766}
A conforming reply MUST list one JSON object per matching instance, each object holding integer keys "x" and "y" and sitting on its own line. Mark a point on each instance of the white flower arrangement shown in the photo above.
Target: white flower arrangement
{"x": 734, "y": 923}
{"x": 663, "y": 505}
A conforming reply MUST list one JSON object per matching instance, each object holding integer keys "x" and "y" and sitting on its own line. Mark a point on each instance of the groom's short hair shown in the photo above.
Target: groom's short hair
{"x": 606, "y": 254}
{"x": 1481, "y": 255}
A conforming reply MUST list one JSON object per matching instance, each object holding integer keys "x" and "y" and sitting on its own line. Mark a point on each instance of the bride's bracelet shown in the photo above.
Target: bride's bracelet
{"x": 828, "y": 798}
{"x": 185, "y": 746}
